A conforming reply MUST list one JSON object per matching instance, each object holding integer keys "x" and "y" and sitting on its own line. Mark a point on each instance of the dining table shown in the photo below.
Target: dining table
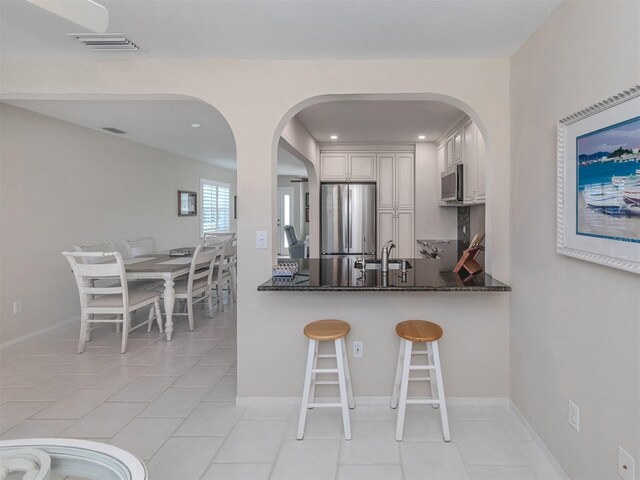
{"x": 160, "y": 266}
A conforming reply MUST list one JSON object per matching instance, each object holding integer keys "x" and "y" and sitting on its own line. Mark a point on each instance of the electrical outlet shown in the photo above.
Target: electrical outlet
{"x": 357, "y": 349}
{"x": 626, "y": 465}
{"x": 17, "y": 306}
{"x": 574, "y": 416}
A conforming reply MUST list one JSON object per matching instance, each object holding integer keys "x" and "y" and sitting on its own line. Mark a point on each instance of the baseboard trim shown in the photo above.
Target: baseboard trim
{"x": 31, "y": 335}
{"x": 370, "y": 401}
{"x": 536, "y": 438}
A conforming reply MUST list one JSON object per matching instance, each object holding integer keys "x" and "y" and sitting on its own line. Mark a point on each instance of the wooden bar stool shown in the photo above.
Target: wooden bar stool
{"x": 316, "y": 332}
{"x": 411, "y": 331}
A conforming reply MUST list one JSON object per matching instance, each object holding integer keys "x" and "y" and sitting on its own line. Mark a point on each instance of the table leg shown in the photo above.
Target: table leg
{"x": 169, "y": 300}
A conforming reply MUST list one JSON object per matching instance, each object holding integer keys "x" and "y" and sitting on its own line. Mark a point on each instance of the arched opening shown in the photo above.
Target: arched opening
{"x": 107, "y": 169}
{"x": 381, "y": 123}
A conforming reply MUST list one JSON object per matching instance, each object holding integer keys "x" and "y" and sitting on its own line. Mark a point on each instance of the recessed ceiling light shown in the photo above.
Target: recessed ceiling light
{"x": 421, "y": 137}
{"x": 195, "y": 125}
{"x": 333, "y": 137}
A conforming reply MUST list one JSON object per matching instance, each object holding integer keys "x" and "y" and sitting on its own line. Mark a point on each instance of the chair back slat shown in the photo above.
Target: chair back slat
{"x": 107, "y": 246}
{"x": 137, "y": 247}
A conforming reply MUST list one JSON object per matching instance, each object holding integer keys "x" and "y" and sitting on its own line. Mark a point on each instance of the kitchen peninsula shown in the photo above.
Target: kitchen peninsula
{"x": 341, "y": 274}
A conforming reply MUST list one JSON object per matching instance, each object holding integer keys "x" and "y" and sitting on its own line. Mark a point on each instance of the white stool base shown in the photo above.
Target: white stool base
{"x": 343, "y": 382}
{"x": 399, "y": 396}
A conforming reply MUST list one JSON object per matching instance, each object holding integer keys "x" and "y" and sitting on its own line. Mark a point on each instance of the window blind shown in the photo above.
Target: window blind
{"x": 216, "y": 207}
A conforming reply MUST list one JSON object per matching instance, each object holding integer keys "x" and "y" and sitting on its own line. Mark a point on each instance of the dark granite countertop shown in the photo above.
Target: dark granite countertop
{"x": 336, "y": 274}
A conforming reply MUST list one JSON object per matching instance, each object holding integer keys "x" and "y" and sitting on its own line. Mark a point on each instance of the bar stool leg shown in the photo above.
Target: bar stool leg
{"x": 396, "y": 380}
{"x": 404, "y": 386}
{"x": 443, "y": 405}
{"x": 432, "y": 375}
{"x": 312, "y": 394}
{"x": 343, "y": 389}
{"x": 306, "y": 389}
{"x": 348, "y": 375}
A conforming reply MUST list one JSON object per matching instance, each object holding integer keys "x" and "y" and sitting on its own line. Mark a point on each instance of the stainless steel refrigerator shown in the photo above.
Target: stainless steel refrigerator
{"x": 348, "y": 218}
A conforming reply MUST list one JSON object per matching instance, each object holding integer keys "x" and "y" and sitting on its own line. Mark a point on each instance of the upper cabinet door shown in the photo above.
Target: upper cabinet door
{"x": 386, "y": 181}
{"x": 481, "y": 189}
{"x": 334, "y": 166}
{"x": 449, "y": 151}
{"x": 404, "y": 181}
{"x": 457, "y": 147}
{"x": 363, "y": 167}
{"x": 469, "y": 156}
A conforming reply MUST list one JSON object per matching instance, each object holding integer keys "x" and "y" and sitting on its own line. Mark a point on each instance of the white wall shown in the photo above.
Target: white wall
{"x": 431, "y": 221}
{"x": 258, "y": 98}
{"x": 62, "y": 185}
{"x": 575, "y": 326}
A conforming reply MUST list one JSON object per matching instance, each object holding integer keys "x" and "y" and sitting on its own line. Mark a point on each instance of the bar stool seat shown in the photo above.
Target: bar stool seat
{"x": 316, "y": 332}
{"x": 420, "y": 331}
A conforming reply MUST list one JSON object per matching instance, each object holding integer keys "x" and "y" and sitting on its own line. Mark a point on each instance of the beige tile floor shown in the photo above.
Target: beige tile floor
{"x": 173, "y": 405}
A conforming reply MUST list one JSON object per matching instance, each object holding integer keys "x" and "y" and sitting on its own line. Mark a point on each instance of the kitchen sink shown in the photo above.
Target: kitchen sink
{"x": 395, "y": 264}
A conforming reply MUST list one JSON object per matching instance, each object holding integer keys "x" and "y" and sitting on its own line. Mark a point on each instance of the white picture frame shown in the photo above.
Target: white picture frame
{"x": 573, "y": 213}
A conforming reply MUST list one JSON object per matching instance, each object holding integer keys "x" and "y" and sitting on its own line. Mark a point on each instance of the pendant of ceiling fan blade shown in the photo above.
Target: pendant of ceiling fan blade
{"x": 86, "y": 13}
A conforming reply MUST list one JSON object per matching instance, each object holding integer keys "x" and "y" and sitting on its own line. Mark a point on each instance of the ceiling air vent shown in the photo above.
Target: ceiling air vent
{"x": 104, "y": 41}
{"x": 113, "y": 130}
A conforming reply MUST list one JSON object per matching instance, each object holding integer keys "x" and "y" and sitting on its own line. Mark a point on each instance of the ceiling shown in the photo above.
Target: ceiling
{"x": 166, "y": 124}
{"x": 272, "y": 29}
{"x": 284, "y": 29}
{"x": 162, "y": 124}
{"x": 379, "y": 121}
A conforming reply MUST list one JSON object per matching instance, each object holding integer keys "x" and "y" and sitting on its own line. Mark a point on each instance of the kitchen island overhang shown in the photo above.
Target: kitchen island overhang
{"x": 338, "y": 274}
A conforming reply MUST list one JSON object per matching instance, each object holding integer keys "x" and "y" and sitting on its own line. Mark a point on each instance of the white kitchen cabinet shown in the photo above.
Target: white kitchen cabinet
{"x": 457, "y": 147}
{"x": 474, "y": 165}
{"x": 386, "y": 183}
{"x": 397, "y": 226}
{"x": 469, "y": 170}
{"x": 334, "y": 166}
{"x": 481, "y": 188}
{"x": 396, "y": 181}
{"x": 348, "y": 167}
{"x": 449, "y": 151}
{"x": 362, "y": 167}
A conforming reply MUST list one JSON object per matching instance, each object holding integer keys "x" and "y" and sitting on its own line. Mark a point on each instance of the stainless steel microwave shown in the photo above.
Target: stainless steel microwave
{"x": 452, "y": 184}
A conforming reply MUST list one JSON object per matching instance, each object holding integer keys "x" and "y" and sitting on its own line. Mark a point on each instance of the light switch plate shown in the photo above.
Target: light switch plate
{"x": 261, "y": 239}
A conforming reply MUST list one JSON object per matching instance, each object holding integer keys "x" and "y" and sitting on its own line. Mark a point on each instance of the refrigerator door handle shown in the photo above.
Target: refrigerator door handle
{"x": 349, "y": 231}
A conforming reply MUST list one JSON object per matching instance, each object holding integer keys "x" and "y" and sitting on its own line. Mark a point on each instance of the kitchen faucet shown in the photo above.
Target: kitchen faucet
{"x": 386, "y": 250}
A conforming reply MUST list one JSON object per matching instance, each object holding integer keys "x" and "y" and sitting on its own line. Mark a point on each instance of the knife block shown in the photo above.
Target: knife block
{"x": 468, "y": 261}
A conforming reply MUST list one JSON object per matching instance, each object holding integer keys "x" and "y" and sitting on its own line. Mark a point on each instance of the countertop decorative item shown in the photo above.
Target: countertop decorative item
{"x": 598, "y": 182}
{"x": 181, "y": 252}
{"x": 468, "y": 261}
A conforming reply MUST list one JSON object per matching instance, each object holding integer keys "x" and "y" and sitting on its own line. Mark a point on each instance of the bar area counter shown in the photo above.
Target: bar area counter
{"x": 336, "y": 274}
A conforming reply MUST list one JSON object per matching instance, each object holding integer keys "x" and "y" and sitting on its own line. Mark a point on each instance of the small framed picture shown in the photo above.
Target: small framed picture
{"x": 306, "y": 199}
{"x": 187, "y": 203}
{"x": 306, "y": 214}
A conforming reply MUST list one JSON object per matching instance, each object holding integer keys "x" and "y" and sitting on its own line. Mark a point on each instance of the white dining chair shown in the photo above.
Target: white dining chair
{"x": 115, "y": 300}
{"x": 139, "y": 247}
{"x": 229, "y": 270}
{"x": 197, "y": 286}
{"x": 213, "y": 238}
{"x": 107, "y": 246}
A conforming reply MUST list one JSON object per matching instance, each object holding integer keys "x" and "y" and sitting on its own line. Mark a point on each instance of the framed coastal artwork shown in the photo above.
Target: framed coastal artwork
{"x": 187, "y": 203}
{"x": 598, "y": 180}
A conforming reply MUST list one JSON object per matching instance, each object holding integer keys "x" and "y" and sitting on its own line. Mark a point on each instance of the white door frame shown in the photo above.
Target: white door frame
{"x": 282, "y": 240}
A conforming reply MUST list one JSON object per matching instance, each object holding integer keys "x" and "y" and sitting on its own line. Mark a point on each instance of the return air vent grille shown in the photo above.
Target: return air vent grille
{"x": 113, "y": 130}
{"x": 104, "y": 41}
